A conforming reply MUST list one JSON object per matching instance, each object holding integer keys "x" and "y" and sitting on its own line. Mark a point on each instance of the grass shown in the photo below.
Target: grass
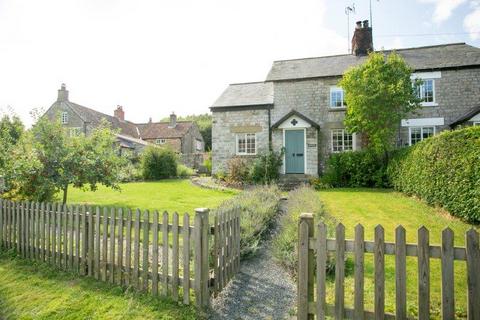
{"x": 371, "y": 207}
{"x": 170, "y": 195}
{"x": 30, "y": 290}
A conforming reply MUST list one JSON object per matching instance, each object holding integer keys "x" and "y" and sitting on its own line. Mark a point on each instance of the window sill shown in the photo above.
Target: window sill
{"x": 337, "y": 109}
{"x": 429, "y": 104}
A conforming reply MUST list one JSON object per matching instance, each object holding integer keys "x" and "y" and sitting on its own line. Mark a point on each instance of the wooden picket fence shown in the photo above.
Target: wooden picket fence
{"x": 312, "y": 261}
{"x": 128, "y": 248}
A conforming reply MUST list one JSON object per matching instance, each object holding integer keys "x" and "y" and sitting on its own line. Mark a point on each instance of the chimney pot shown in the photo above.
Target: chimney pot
{"x": 173, "y": 120}
{"x": 119, "y": 113}
{"x": 62, "y": 93}
{"x": 365, "y": 23}
{"x": 359, "y": 25}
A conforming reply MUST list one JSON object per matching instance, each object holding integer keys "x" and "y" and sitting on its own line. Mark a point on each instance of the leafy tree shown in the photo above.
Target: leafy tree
{"x": 11, "y": 129}
{"x": 204, "y": 122}
{"x": 379, "y": 93}
{"x": 47, "y": 160}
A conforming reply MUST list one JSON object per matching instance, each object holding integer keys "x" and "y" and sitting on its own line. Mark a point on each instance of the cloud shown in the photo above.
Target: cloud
{"x": 443, "y": 8}
{"x": 471, "y": 23}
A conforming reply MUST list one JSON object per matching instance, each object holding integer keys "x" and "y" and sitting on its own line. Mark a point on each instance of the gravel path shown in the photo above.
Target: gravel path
{"x": 261, "y": 290}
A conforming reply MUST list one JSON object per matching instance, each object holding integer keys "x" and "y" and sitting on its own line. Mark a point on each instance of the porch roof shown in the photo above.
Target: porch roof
{"x": 297, "y": 114}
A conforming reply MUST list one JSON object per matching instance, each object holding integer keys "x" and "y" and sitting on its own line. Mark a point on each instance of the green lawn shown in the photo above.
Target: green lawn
{"x": 371, "y": 207}
{"x": 171, "y": 195}
{"x": 30, "y": 290}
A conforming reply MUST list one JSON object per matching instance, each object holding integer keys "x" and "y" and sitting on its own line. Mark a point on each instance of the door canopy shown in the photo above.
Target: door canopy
{"x": 295, "y": 119}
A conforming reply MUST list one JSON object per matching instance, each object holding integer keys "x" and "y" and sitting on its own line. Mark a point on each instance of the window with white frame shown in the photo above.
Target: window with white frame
{"x": 337, "y": 98}
{"x": 64, "y": 117}
{"x": 342, "y": 140}
{"x": 417, "y": 134}
{"x": 160, "y": 141}
{"x": 74, "y": 132}
{"x": 199, "y": 145}
{"x": 246, "y": 143}
{"x": 476, "y": 124}
{"x": 426, "y": 91}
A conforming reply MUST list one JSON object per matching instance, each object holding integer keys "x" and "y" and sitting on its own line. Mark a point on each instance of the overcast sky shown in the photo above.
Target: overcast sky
{"x": 155, "y": 57}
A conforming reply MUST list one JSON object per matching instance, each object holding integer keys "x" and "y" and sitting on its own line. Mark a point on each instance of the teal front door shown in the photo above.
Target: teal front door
{"x": 294, "y": 151}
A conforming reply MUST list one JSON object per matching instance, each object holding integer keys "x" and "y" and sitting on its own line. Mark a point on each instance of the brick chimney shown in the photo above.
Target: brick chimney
{"x": 362, "y": 42}
{"x": 173, "y": 120}
{"x": 119, "y": 113}
{"x": 62, "y": 93}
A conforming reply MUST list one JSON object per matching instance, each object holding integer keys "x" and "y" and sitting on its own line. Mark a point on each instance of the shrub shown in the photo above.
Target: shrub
{"x": 184, "y": 172}
{"x": 356, "y": 169}
{"x": 207, "y": 162}
{"x": 158, "y": 163}
{"x": 266, "y": 168}
{"x": 130, "y": 172}
{"x": 303, "y": 199}
{"x": 259, "y": 207}
{"x": 318, "y": 184}
{"x": 238, "y": 170}
{"x": 443, "y": 170}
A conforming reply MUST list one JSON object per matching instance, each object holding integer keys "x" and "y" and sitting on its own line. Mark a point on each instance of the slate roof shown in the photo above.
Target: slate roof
{"x": 246, "y": 94}
{"x": 454, "y": 55}
{"x": 151, "y": 130}
{"x": 95, "y": 117}
{"x": 467, "y": 116}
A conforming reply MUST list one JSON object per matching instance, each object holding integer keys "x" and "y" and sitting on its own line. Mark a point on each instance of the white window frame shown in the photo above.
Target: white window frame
{"x": 428, "y": 76}
{"x": 421, "y": 132}
{"x": 421, "y": 91}
{"x": 344, "y": 131}
{"x": 476, "y": 124}
{"x": 64, "y": 117}
{"x": 74, "y": 131}
{"x": 335, "y": 89}
{"x": 160, "y": 141}
{"x": 199, "y": 145}
{"x": 237, "y": 136}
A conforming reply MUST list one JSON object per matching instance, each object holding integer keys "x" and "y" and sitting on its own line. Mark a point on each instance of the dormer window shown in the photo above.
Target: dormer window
{"x": 64, "y": 117}
{"x": 337, "y": 98}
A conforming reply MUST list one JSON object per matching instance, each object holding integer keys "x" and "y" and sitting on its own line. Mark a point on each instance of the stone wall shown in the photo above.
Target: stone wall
{"x": 225, "y": 127}
{"x": 456, "y": 92}
{"x": 312, "y": 99}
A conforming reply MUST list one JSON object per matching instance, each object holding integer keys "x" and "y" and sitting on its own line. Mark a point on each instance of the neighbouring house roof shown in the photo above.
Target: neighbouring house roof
{"x": 297, "y": 114}
{"x": 135, "y": 132}
{"x": 132, "y": 140}
{"x": 94, "y": 118}
{"x": 467, "y": 116}
{"x": 454, "y": 55}
{"x": 241, "y": 95}
{"x": 163, "y": 130}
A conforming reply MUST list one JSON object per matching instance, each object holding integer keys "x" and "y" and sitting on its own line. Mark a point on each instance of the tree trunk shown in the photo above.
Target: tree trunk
{"x": 65, "y": 189}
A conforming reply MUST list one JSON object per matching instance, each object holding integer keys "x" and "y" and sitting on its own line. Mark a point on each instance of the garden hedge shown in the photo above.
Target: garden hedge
{"x": 444, "y": 170}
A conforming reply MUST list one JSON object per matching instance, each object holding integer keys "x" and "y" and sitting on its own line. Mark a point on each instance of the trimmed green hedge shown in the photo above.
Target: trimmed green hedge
{"x": 443, "y": 170}
{"x": 355, "y": 169}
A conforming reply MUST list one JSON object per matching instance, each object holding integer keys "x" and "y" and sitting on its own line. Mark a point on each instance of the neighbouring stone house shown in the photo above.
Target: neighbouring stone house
{"x": 300, "y": 107}
{"x": 182, "y": 136}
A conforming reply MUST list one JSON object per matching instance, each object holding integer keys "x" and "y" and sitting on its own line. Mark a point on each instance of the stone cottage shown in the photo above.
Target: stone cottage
{"x": 182, "y": 136}
{"x": 301, "y": 108}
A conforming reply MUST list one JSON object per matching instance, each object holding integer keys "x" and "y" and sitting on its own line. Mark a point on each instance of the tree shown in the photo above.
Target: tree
{"x": 47, "y": 161}
{"x": 379, "y": 93}
{"x": 11, "y": 129}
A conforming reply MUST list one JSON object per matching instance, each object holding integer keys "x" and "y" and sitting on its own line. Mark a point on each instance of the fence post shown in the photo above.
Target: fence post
{"x": 202, "y": 227}
{"x": 306, "y": 265}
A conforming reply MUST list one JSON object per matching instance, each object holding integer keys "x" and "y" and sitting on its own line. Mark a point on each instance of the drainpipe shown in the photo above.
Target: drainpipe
{"x": 269, "y": 130}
